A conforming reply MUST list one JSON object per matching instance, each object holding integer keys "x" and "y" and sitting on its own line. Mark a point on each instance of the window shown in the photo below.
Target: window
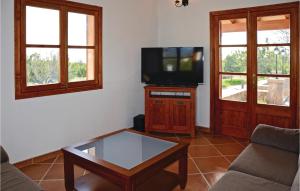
{"x": 58, "y": 47}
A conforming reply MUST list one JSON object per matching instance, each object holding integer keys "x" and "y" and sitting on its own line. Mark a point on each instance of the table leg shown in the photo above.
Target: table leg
{"x": 69, "y": 174}
{"x": 183, "y": 171}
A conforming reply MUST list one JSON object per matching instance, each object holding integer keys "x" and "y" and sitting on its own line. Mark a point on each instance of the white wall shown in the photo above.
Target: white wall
{"x": 189, "y": 26}
{"x": 32, "y": 127}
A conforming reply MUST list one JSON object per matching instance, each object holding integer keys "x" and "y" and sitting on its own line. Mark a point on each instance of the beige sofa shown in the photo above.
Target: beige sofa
{"x": 12, "y": 179}
{"x": 269, "y": 163}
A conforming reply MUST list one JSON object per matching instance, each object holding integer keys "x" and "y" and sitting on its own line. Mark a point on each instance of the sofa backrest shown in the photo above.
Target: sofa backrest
{"x": 286, "y": 139}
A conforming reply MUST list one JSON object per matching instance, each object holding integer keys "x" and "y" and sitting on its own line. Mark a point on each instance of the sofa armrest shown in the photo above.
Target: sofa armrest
{"x": 286, "y": 139}
{"x": 4, "y": 156}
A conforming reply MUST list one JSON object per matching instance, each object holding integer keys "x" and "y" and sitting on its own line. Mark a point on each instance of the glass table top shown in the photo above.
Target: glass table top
{"x": 126, "y": 149}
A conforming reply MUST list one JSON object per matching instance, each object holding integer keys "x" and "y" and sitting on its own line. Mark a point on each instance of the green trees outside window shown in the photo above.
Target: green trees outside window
{"x": 45, "y": 70}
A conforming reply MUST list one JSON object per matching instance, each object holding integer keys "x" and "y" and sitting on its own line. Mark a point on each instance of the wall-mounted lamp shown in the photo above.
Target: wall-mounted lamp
{"x": 180, "y": 3}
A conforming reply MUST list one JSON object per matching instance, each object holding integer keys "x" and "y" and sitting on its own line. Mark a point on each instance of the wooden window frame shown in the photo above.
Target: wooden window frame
{"x": 63, "y": 86}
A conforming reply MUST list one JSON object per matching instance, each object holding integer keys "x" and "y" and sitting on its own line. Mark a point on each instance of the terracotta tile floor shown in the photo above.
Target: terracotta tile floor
{"x": 209, "y": 158}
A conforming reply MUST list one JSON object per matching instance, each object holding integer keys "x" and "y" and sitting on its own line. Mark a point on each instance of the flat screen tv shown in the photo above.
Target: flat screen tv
{"x": 172, "y": 65}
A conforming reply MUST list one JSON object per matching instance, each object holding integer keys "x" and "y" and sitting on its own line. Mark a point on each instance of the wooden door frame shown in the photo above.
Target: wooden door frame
{"x": 213, "y": 45}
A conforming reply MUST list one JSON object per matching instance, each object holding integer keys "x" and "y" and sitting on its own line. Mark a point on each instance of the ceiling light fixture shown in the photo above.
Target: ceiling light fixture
{"x": 180, "y": 3}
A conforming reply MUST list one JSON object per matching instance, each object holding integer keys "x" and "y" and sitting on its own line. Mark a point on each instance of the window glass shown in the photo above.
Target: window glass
{"x": 234, "y": 88}
{"x": 273, "y": 29}
{"x": 233, "y": 31}
{"x": 42, "y": 26}
{"x": 81, "y": 64}
{"x": 234, "y": 59}
{"x": 273, "y": 91}
{"x": 273, "y": 60}
{"x": 81, "y": 29}
{"x": 42, "y": 66}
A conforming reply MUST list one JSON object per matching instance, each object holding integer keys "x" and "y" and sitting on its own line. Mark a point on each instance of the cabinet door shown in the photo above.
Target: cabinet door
{"x": 180, "y": 115}
{"x": 158, "y": 114}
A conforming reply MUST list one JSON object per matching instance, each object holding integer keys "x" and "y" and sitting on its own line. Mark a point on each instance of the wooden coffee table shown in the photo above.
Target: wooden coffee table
{"x": 126, "y": 159}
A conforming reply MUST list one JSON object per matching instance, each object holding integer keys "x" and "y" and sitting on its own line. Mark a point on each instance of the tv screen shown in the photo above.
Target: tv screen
{"x": 172, "y": 65}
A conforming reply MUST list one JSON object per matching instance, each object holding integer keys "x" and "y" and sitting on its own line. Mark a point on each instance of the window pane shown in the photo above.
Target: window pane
{"x": 233, "y": 31}
{"x": 234, "y": 59}
{"x": 42, "y": 26}
{"x": 81, "y": 29}
{"x": 273, "y": 60}
{"x": 42, "y": 66}
{"x": 273, "y": 29}
{"x": 273, "y": 91}
{"x": 234, "y": 88}
{"x": 81, "y": 64}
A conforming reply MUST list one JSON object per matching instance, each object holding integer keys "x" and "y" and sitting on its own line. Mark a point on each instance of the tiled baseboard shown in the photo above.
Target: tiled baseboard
{"x": 37, "y": 159}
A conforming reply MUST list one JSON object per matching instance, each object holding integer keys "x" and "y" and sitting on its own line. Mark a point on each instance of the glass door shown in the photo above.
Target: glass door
{"x": 274, "y": 66}
{"x": 254, "y": 68}
{"x": 232, "y": 74}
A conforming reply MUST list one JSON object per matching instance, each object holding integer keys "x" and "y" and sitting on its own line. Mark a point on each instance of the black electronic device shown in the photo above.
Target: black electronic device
{"x": 173, "y": 66}
{"x": 139, "y": 123}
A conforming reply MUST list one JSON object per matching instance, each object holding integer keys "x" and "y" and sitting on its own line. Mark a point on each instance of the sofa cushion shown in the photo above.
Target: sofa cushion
{"x": 295, "y": 186}
{"x": 238, "y": 181}
{"x": 267, "y": 162}
{"x": 14, "y": 180}
{"x": 282, "y": 138}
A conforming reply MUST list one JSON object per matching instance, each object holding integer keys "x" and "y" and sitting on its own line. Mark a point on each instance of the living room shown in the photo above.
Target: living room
{"x": 37, "y": 123}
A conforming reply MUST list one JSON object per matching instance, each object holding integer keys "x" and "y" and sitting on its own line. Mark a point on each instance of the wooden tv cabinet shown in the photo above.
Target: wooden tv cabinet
{"x": 170, "y": 109}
